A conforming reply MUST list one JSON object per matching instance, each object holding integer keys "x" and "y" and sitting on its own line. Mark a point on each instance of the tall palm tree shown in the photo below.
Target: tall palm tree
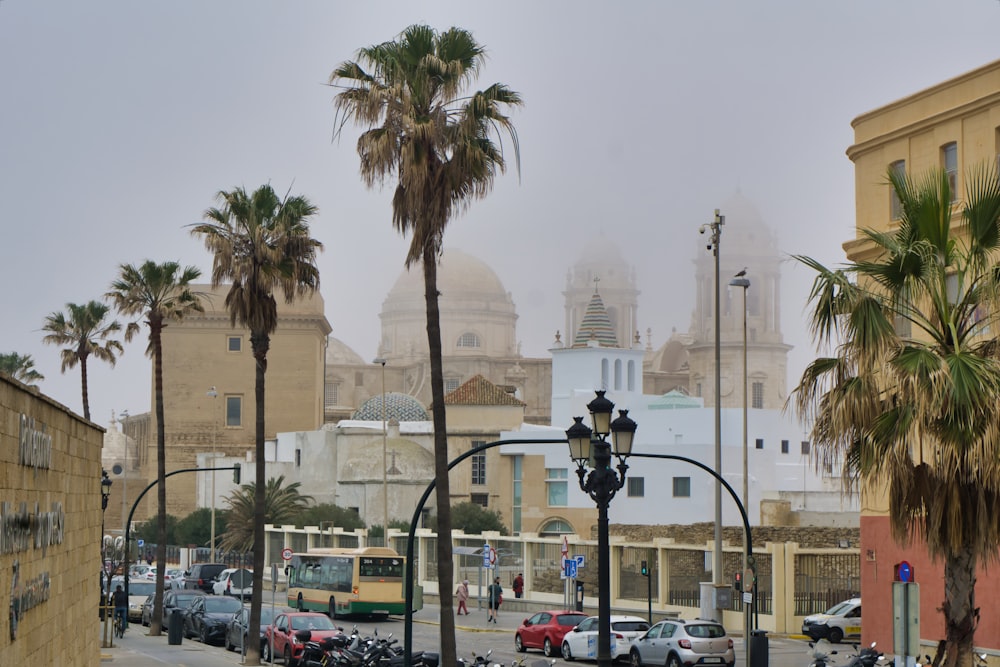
{"x": 282, "y": 504}
{"x": 85, "y": 330}
{"x": 160, "y": 293}
{"x": 20, "y": 367}
{"x": 438, "y": 144}
{"x": 909, "y": 397}
{"x": 260, "y": 243}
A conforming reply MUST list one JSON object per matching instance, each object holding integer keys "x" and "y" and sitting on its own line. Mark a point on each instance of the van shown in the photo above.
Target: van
{"x": 839, "y": 621}
{"x": 201, "y": 576}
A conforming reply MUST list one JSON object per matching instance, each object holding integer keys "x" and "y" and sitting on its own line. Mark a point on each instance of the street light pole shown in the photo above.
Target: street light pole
{"x": 105, "y": 495}
{"x": 213, "y": 394}
{"x": 740, "y": 280}
{"x": 601, "y": 484}
{"x": 122, "y": 419}
{"x": 385, "y": 479}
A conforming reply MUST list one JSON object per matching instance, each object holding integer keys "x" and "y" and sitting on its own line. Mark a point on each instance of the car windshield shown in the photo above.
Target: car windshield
{"x": 218, "y": 605}
{"x": 838, "y": 608}
{"x": 570, "y": 620}
{"x": 630, "y": 626}
{"x": 706, "y": 631}
{"x": 184, "y": 601}
{"x": 318, "y": 622}
{"x": 141, "y": 587}
{"x": 266, "y": 616}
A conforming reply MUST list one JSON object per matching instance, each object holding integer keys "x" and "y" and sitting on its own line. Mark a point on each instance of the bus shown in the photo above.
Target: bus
{"x": 340, "y": 582}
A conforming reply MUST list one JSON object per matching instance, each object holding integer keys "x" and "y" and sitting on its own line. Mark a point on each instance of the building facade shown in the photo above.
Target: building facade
{"x": 954, "y": 125}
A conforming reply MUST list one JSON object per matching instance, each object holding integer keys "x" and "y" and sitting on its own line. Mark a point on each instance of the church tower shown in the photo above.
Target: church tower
{"x": 746, "y": 243}
{"x": 602, "y": 268}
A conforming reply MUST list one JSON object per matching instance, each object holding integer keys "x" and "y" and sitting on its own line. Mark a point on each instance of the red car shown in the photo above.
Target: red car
{"x": 545, "y": 630}
{"x": 282, "y": 633}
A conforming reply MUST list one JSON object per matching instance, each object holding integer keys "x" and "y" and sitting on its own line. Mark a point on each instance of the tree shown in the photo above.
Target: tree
{"x": 147, "y": 531}
{"x": 160, "y": 293}
{"x": 196, "y": 527}
{"x": 20, "y": 367}
{"x": 261, "y": 244}
{"x": 85, "y": 330}
{"x": 282, "y": 504}
{"x": 909, "y": 398}
{"x": 472, "y": 519}
{"x": 439, "y": 146}
{"x": 317, "y": 515}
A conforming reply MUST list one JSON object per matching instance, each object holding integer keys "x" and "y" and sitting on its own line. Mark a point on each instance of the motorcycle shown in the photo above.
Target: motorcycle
{"x": 869, "y": 656}
{"x": 819, "y": 654}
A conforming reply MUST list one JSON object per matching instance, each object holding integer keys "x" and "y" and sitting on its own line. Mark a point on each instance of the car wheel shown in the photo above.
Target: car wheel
{"x": 518, "y": 644}
{"x": 566, "y": 653}
{"x": 673, "y": 660}
{"x": 547, "y": 648}
{"x": 836, "y": 634}
{"x": 634, "y": 659}
{"x": 265, "y": 652}
{"x": 288, "y": 657}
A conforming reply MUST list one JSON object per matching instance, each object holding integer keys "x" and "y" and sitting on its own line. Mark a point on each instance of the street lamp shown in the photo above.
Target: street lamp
{"x": 123, "y": 419}
{"x": 740, "y": 280}
{"x": 105, "y": 495}
{"x": 601, "y": 483}
{"x": 385, "y": 480}
{"x": 213, "y": 394}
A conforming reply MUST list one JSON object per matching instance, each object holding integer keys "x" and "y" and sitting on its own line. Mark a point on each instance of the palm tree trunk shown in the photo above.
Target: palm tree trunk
{"x": 960, "y": 612}
{"x": 155, "y": 329}
{"x": 261, "y": 343}
{"x": 83, "y": 387}
{"x": 442, "y": 487}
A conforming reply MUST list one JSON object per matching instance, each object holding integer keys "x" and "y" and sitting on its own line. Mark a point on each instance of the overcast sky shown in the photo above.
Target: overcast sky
{"x": 121, "y": 120}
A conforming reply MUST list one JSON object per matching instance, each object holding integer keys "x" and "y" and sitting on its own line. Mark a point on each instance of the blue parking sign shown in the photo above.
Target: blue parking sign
{"x": 570, "y": 565}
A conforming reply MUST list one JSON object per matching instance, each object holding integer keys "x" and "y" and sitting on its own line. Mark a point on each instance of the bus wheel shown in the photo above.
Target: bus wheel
{"x": 333, "y": 609}
{"x": 299, "y": 604}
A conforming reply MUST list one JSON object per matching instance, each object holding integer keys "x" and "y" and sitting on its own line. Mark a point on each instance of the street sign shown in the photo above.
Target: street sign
{"x": 493, "y": 557}
{"x": 140, "y": 543}
{"x": 748, "y": 598}
{"x": 570, "y": 566}
{"x": 905, "y": 572}
{"x": 286, "y": 554}
{"x": 579, "y": 561}
{"x": 486, "y": 555}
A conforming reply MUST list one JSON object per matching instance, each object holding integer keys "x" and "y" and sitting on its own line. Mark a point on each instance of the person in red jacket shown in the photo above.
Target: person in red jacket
{"x": 518, "y": 586}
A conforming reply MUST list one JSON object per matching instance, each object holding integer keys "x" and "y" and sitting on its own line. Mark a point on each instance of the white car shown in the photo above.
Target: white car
{"x": 841, "y": 621}
{"x": 235, "y": 581}
{"x": 581, "y": 641}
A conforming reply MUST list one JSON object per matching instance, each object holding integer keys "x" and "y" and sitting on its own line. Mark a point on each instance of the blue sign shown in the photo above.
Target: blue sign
{"x": 140, "y": 543}
{"x": 570, "y": 565}
{"x": 486, "y": 555}
{"x": 905, "y": 572}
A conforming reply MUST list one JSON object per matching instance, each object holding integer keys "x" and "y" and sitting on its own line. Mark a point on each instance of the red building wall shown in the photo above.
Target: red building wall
{"x": 880, "y": 554}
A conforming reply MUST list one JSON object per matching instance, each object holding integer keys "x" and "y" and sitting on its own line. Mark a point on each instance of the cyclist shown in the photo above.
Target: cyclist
{"x": 120, "y": 602}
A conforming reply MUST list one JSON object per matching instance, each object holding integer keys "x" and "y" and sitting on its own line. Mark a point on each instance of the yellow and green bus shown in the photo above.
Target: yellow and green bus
{"x": 341, "y": 582}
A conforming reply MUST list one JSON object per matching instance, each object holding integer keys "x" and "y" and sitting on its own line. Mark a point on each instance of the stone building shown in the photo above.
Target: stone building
{"x": 954, "y": 125}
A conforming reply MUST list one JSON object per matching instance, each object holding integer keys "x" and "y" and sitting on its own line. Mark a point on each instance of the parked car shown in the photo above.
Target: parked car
{"x": 677, "y": 643}
{"x": 839, "y": 621}
{"x": 174, "y": 578}
{"x": 201, "y": 576}
{"x": 207, "y": 616}
{"x": 138, "y": 591}
{"x": 546, "y": 629}
{"x": 235, "y": 581}
{"x": 581, "y": 641}
{"x": 238, "y": 625}
{"x": 177, "y": 600}
{"x": 138, "y": 570}
{"x": 282, "y": 634}
{"x": 146, "y": 617}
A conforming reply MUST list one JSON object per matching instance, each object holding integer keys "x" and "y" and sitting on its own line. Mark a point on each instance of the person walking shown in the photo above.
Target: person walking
{"x": 462, "y": 593}
{"x": 519, "y": 586}
{"x": 494, "y": 596}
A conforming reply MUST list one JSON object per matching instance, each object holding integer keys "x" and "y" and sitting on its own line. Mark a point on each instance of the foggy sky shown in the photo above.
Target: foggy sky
{"x": 122, "y": 119}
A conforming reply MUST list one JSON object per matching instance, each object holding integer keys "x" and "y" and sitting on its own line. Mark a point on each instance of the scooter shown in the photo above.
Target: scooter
{"x": 819, "y": 654}
{"x": 869, "y": 656}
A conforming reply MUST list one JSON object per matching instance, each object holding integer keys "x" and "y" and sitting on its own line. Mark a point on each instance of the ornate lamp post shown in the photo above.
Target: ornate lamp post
{"x": 105, "y": 495}
{"x": 601, "y": 483}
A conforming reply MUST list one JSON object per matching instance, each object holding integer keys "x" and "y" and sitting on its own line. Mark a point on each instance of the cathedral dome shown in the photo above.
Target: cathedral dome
{"x": 338, "y": 352}
{"x": 401, "y": 407}
{"x": 457, "y": 272}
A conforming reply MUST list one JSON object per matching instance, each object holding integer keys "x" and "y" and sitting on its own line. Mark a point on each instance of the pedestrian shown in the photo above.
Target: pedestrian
{"x": 519, "y": 585}
{"x": 462, "y": 593}
{"x": 494, "y": 596}
{"x": 120, "y": 602}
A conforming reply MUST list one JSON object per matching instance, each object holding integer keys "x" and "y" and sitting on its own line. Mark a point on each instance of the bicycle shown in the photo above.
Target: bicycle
{"x": 119, "y": 627}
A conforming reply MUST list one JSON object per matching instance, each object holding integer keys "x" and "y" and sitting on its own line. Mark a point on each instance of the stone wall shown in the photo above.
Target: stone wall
{"x": 811, "y": 537}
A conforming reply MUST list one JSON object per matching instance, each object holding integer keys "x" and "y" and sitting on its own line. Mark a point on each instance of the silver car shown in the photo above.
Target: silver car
{"x": 677, "y": 643}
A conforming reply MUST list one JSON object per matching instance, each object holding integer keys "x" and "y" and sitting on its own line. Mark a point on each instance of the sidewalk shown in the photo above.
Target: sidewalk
{"x": 138, "y": 649}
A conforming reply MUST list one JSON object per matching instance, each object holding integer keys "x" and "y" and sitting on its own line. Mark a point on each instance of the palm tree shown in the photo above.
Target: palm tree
{"x": 909, "y": 398}
{"x": 21, "y": 368}
{"x": 439, "y": 145}
{"x": 260, "y": 242}
{"x": 85, "y": 330}
{"x": 160, "y": 293}
{"x": 282, "y": 505}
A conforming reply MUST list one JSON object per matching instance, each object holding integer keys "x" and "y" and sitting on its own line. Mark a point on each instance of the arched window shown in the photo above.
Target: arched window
{"x": 555, "y": 527}
{"x": 631, "y": 375}
{"x": 468, "y": 339}
{"x": 605, "y": 372}
{"x": 618, "y": 374}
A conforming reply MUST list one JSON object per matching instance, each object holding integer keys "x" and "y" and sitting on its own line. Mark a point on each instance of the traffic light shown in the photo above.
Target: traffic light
{"x": 644, "y": 569}
{"x": 738, "y": 582}
{"x": 236, "y": 473}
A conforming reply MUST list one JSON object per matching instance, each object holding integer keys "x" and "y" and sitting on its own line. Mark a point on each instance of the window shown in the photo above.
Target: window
{"x": 468, "y": 340}
{"x": 682, "y": 487}
{"x": 784, "y": 446}
{"x": 557, "y": 487}
{"x": 478, "y": 466}
{"x": 605, "y": 372}
{"x": 636, "y": 487}
{"x": 331, "y": 394}
{"x": 450, "y": 385}
{"x": 697, "y": 390}
{"x": 555, "y": 527}
{"x": 516, "y": 495}
{"x": 481, "y": 499}
{"x": 805, "y": 446}
{"x": 234, "y": 410}
{"x": 618, "y": 374}
{"x": 758, "y": 395}
{"x": 759, "y": 443}
{"x": 631, "y": 375}
{"x": 235, "y": 343}
{"x": 898, "y": 168}
{"x": 949, "y": 162}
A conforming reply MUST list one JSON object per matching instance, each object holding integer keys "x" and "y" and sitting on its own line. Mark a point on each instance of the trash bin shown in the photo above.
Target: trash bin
{"x": 579, "y": 596}
{"x": 758, "y": 648}
{"x": 175, "y": 632}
